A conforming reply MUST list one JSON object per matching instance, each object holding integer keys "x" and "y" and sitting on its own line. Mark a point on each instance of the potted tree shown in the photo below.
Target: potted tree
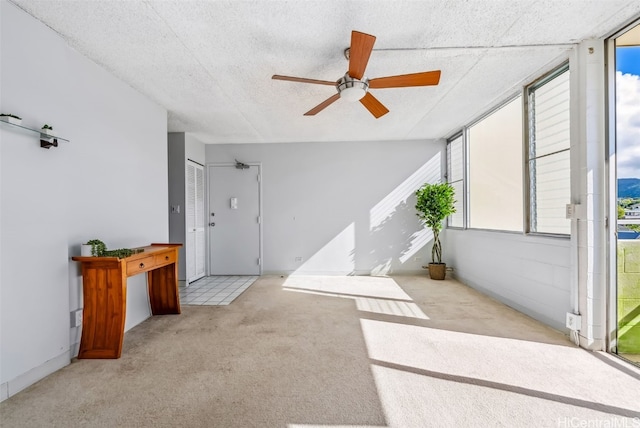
{"x": 434, "y": 203}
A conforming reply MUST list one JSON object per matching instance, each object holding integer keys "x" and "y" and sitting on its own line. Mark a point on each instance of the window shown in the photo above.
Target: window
{"x": 548, "y": 155}
{"x": 495, "y": 145}
{"x": 455, "y": 177}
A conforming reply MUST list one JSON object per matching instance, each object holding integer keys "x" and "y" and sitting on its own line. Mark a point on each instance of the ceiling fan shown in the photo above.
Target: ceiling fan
{"x": 353, "y": 86}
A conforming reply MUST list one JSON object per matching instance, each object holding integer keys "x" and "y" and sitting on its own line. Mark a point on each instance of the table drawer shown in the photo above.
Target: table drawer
{"x": 140, "y": 265}
{"x": 166, "y": 258}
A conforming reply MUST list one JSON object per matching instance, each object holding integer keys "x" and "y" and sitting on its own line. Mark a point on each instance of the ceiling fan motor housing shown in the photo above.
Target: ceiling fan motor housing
{"x": 352, "y": 89}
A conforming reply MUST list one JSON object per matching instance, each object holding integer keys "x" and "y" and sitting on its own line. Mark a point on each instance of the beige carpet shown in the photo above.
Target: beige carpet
{"x": 339, "y": 352}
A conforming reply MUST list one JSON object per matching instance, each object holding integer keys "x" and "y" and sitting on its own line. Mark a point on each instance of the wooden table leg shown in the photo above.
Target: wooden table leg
{"x": 163, "y": 290}
{"x": 105, "y": 301}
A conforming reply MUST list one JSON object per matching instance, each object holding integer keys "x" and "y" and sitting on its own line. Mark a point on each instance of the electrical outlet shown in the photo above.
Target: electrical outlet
{"x": 574, "y": 321}
{"x": 570, "y": 211}
{"x": 76, "y": 318}
{"x": 416, "y": 259}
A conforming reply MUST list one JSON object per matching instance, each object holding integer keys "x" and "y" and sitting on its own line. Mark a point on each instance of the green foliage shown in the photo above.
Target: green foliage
{"x": 620, "y": 212}
{"x": 434, "y": 203}
{"x": 97, "y": 247}
{"x": 11, "y": 115}
{"x": 121, "y": 253}
{"x": 627, "y": 202}
{"x": 45, "y": 126}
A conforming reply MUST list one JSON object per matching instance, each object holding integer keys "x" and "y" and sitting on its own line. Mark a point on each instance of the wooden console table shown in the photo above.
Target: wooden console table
{"x": 104, "y": 285}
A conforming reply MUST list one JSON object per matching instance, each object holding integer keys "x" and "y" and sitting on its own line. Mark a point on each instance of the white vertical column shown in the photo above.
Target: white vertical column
{"x": 591, "y": 187}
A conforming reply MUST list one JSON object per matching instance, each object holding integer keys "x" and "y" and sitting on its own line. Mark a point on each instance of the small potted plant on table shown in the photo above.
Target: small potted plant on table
{"x": 47, "y": 130}
{"x": 97, "y": 248}
{"x": 94, "y": 247}
{"x": 11, "y": 118}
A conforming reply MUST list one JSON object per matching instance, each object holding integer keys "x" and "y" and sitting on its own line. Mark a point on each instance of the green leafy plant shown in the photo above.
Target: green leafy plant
{"x": 45, "y": 126}
{"x": 11, "y": 115}
{"x": 620, "y": 212}
{"x": 121, "y": 253}
{"x": 97, "y": 247}
{"x": 434, "y": 203}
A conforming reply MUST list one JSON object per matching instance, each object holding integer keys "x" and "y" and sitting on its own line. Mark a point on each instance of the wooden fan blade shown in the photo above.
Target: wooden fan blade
{"x": 426, "y": 78}
{"x": 322, "y": 105}
{"x": 359, "y": 53}
{"x": 373, "y": 105}
{"x": 303, "y": 80}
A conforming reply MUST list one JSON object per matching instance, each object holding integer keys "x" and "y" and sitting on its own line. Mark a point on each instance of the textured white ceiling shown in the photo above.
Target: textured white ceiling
{"x": 209, "y": 63}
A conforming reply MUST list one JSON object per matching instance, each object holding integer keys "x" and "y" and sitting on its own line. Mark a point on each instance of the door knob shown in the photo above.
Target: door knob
{"x": 212, "y": 224}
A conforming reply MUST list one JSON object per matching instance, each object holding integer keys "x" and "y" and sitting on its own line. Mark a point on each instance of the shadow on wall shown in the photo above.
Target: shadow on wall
{"x": 383, "y": 240}
{"x": 337, "y": 256}
{"x": 397, "y": 238}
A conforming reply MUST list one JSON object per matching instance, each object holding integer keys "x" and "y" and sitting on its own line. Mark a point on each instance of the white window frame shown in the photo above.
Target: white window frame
{"x": 527, "y": 151}
{"x": 461, "y": 134}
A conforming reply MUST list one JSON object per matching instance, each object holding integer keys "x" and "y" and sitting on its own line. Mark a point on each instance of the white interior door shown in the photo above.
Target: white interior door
{"x": 234, "y": 220}
{"x": 195, "y": 247}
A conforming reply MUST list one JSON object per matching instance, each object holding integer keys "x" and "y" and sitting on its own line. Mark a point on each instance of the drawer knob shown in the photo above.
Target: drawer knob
{"x": 166, "y": 257}
{"x": 141, "y": 265}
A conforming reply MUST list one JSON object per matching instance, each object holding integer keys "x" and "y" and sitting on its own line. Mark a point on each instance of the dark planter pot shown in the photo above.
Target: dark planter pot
{"x": 437, "y": 270}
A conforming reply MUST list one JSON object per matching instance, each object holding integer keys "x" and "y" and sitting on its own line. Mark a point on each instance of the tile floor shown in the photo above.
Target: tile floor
{"x": 214, "y": 290}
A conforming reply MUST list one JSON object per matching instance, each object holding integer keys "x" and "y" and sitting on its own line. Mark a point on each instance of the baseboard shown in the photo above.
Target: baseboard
{"x": 592, "y": 344}
{"x": 421, "y": 272}
{"x": 549, "y": 322}
{"x": 27, "y": 379}
{"x": 4, "y": 391}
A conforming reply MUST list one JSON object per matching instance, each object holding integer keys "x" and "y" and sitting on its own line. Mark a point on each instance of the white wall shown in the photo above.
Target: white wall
{"x": 181, "y": 147}
{"x": 547, "y": 277}
{"x": 109, "y": 183}
{"x": 194, "y": 149}
{"x": 177, "y": 196}
{"x": 343, "y": 207}
{"x": 531, "y": 274}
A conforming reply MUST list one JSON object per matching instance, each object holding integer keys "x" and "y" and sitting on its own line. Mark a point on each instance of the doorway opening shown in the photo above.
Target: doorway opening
{"x": 215, "y": 290}
{"x": 624, "y": 52}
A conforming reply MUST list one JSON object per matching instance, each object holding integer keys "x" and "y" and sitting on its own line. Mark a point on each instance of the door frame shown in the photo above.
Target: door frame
{"x": 210, "y": 165}
{"x": 611, "y": 173}
{"x": 206, "y": 250}
{"x": 611, "y": 304}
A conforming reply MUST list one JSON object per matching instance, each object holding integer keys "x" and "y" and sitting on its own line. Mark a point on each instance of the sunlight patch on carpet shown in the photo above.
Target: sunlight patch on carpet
{"x": 372, "y": 294}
